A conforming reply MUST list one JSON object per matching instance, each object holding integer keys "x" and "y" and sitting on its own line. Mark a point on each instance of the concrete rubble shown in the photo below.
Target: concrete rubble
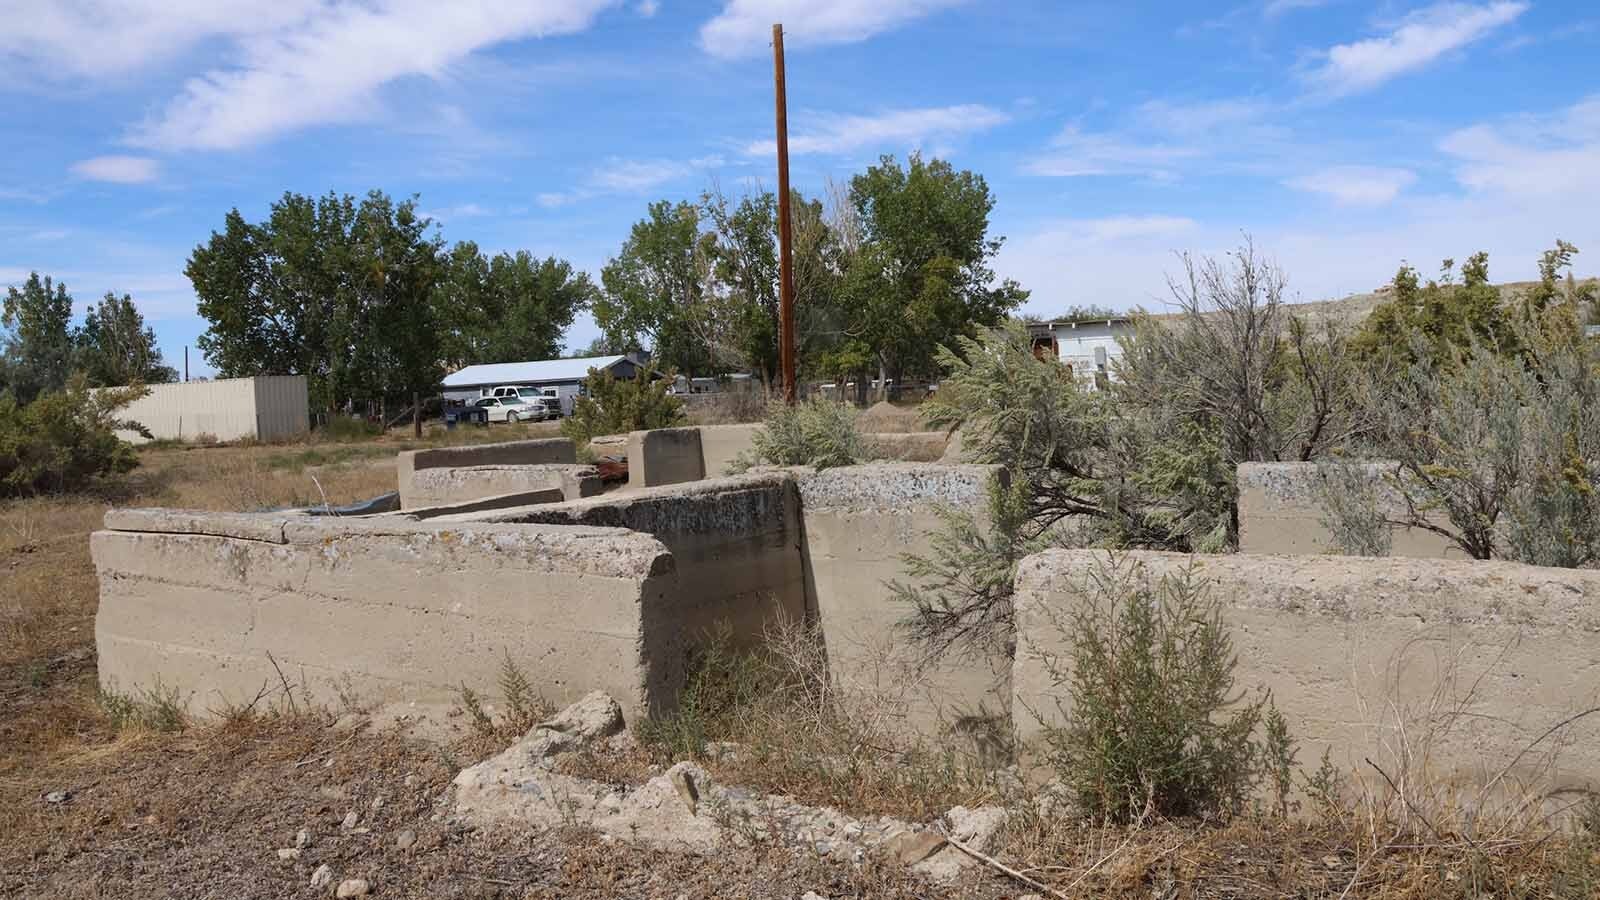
{"x": 685, "y": 809}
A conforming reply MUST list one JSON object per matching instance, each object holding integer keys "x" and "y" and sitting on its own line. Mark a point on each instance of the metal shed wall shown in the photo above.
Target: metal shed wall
{"x": 227, "y": 409}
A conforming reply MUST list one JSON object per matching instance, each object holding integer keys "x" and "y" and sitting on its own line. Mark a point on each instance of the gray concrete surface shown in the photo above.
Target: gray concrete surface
{"x": 1460, "y": 665}
{"x": 664, "y": 456}
{"x": 1280, "y": 511}
{"x": 544, "y": 451}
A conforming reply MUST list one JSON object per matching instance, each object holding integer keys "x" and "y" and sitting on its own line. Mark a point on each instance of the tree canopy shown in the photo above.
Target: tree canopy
{"x": 42, "y": 349}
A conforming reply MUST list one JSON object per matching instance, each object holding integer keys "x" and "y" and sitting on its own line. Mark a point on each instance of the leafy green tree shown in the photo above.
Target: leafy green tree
{"x": 115, "y": 347}
{"x": 612, "y": 405}
{"x": 654, "y": 288}
{"x": 922, "y": 275}
{"x": 39, "y": 346}
{"x": 508, "y": 307}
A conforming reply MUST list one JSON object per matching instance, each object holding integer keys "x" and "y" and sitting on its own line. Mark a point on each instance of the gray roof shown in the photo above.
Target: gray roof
{"x": 535, "y": 372}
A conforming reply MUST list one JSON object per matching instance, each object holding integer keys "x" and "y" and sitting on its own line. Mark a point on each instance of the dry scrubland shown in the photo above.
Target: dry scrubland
{"x": 158, "y": 808}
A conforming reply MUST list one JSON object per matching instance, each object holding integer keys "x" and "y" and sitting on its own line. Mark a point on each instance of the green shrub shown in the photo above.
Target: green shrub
{"x": 611, "y": 405}
{"x": 817, "y": 433}
{"x": 64, "y": 440}
{"x": 1154, "y": 724}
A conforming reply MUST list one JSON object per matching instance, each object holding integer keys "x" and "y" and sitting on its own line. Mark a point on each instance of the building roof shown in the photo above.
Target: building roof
{"x": 534, "y": 372}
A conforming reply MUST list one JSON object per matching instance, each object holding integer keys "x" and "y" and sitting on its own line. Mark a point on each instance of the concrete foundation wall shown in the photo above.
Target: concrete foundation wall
{"x": 460, "y": 484}
{"x": 859, "y": 520}
{"x": 1280, "y": 511}
{"x": 735, "y": 545}
{"x": 403, "y": 613}
{"x": 1475, "y": 659}
{"x": 664, "y": 456}
{"x": 547, "y": 451}
{"x": 720, "y": 445}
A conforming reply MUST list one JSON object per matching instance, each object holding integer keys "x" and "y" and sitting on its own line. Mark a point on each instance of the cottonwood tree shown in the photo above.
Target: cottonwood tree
{"x": 655, "y": 286}
{"x": 115, "y": 347}
{"x": 39, "y": 347}
{"x": 921, "y": 275}
{"x": 505, "y": 308}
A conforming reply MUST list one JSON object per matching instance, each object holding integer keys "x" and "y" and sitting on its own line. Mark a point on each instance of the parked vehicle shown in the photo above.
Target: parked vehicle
{"x": 543, "y": 399}
{"x": 512, "y": 409}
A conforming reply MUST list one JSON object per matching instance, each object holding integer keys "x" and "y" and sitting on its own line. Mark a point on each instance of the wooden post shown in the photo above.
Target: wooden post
{"x": 785, "y": 246}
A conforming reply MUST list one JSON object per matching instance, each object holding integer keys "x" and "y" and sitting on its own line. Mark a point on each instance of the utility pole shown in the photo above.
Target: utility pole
{"x": 785, "y": 246}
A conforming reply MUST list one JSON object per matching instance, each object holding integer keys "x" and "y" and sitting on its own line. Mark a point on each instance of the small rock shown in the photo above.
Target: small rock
{"x": 683, "y": 782}
{"x": 823, "y": 848}
{"x": 812, "y": 895}
{"x": 592, "y": 718}
{"x": 377, "y": 803}
{"x": 289, "y": 853}
{"x": 322, "y": 877}
{"x": 302, "y": 839}
{"x": 1332, "y": 861}
{"x": 405, "y": 839}
{"x": 912, "y": 847}
{"x": 351, "y": 819}
{"x": 352, "y": 887}
{"x": 58, "y": 796}
{"x": 976, "y": 827}
{"x": 413, "y": 780}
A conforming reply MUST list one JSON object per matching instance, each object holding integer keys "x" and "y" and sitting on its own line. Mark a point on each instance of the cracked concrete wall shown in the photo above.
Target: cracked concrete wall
{"x": 859, "y": 521}
{"x": 1279, "y": 512}
{"x": 403, "y": 613}
{"x": 449, "y": 485}
{"x": 1476, "y": 659}
{"x": 546, "y": 451}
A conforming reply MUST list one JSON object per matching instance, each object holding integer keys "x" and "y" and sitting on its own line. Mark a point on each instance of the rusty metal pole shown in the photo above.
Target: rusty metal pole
{"x": 785, "y": 246}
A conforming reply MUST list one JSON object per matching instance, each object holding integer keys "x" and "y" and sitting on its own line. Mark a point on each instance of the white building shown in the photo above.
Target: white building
{"x": 566, "y": 376}
{"x": 1086, "y": 346}
{"x": 266, "y": 408}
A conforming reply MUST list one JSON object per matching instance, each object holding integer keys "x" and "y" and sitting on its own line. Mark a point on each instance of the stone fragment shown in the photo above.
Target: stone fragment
{"x": 322, "y": 877}
{"x": 683, "y": 782}
{"x": 353, "y": 887}
{"x": 912, "y": 847}
{"x": 289, "y": 853}
{"x": 302, "y": 839}
{"x": 350, "y": 819}
{"x": 405, "y": 839}
{"x": 977, "y": 827}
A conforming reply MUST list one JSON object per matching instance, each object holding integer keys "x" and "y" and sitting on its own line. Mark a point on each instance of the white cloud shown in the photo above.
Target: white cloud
{"x": 1356, "y": 185}
{"x": 327, "y": 65}
{"x": 744, "y": 27}
{"x": 1075, "y": 154}
{"x": 117, "y": 169}
{"x": 1415, "y": 42}
{"x": 628, "y": 176}
{"x": 648, "y": 8}
{"x": 1555, "y": 156}
{"x": 890, "y": 130}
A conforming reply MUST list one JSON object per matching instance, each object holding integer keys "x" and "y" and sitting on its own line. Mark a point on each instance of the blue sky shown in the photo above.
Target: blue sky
{"x": 1344, "y": 136}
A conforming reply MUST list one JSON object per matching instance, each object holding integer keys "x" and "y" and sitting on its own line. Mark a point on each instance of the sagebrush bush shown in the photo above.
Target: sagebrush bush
{"x": 64, "y": 440}
{"x": 612, "y": 405}
{"x": 1154, "y": 722}
{"x": 817, "y": 432}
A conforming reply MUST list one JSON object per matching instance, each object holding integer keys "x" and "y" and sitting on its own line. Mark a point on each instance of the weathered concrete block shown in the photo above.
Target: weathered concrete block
{"x": 859, "y": 522}
{"x": 1280, "y": 511}
{"x": 720, "y": 445}
{"x": 735, "y": 548}
{"x": 406, "y": 612}
{"x": 664, "y": 456}
{"x": 450, "y": 485}
{"x": 1463, "y": 663}
{"x": 546, "y": 451}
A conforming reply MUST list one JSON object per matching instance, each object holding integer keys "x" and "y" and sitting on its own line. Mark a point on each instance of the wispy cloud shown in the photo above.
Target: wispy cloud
{"x": 744, "y": 27}
{"x": 117, "y": 169}
{"x": 1556, "y": 155}
{"x": 629, "y": 176}
{"x": 328, "y": 65}
{"x": 1275, "y": 8}
{"x": 1161, "y": 139}
{"x": 895, "y": 129}
{"x": 1356, "y": 185}
{"x": 1412, "y": 44}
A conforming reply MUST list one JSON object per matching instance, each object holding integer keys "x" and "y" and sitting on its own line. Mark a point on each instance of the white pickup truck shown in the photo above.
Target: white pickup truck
{"x": 543, "y": 402}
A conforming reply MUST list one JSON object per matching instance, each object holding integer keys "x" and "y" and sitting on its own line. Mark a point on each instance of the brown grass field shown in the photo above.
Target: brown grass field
{"x": 198, "y": 810}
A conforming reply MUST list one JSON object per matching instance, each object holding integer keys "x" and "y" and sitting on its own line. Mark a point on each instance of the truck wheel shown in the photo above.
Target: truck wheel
{"x": 511, "y": 418}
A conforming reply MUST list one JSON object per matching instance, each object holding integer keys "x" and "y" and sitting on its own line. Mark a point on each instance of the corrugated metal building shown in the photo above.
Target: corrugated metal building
{"x": 565, "y": 375}
{"x": 266, "y": 407}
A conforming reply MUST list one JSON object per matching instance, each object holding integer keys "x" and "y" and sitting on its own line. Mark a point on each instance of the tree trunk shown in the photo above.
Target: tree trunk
{"x": 883, "y": 380}
{"x": 416, "y": 414}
